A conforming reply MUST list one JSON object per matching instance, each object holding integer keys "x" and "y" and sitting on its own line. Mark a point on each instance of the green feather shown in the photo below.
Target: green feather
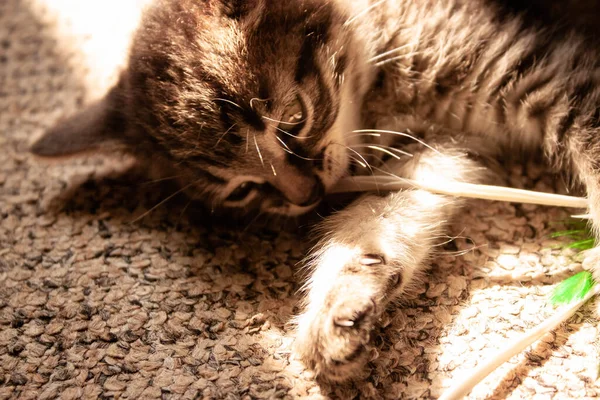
{"x": 571, "y": 233}
{"x": 572, "y": 289}
{"x": 580, "y": 236}
{"x": 584, "y": 244}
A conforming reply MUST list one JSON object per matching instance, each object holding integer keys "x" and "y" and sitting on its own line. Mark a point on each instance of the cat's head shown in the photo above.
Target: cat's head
{"x": 251, "y": 103}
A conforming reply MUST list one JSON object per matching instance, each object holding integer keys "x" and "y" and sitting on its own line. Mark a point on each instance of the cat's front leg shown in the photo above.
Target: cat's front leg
{"x": 369, "y": 254}
{"x": 372, "y": 251}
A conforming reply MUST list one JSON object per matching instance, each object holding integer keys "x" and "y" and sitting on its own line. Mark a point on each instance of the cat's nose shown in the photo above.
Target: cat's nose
{"x": 297, "y": 187}
{"x": 303, "y": 192}
{"x": 316, "y": 194}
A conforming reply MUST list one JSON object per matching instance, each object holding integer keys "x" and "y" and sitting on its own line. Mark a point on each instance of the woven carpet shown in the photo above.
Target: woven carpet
{"x": 97, "y": 303}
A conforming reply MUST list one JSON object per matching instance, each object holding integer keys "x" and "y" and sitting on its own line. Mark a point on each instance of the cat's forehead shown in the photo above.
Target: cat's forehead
{"x": 260, "y": 55}
{"x": 265, "y": 41}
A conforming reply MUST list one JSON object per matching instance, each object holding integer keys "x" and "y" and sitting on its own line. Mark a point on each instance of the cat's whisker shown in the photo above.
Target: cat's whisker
{"x": 287, "y": 149}
{"x": 252, "y": 221}
{"x": 456, "y": 116}
{"x": 277, "y": 121}
{"x": 397, "y": 157}
{"x": 228, "y": 101}
{"x": 459, "y": 253}
{"x": 289, "y": 123}
{"x": 364, "y": 163}
{"x": 247, "y": 141}
{"x": 185, "y": 154}
{"x": 223, "y": 135}
{"x": 403, "y": 134}
{"x": 162, "y": 179}
{"x": 356, "y": 160}
{"x": 273, "y": 169}
{"x": 183, "y": 212}
{"x": 285, "y": 146}
{"x": 388, "y": 53}
{"x": 191, "y": 151}
{"x": 365, "y": 134}
{"x": 258, "y": 151}
{"x": 363, "y": 12}
{"x": 385, "y": 149}
{"x": 165, "y": 200}
{"x": 287, "y": 133}
{"x": 257, "y": 99}
{"x": 450, "y": 238}
{"x": 379, "y": 159}
{"x": 394, "y": 149}
{"x": 384, "y": 172}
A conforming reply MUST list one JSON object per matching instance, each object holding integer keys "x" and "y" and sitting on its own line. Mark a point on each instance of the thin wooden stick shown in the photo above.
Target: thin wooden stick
{"x": 460, "y": 189}
{"x": 582, "y": 216}
{"x": 463, "y": 388}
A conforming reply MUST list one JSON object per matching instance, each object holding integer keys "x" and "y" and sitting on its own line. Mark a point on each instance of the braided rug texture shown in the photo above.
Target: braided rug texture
{"x": 96, "y": 305}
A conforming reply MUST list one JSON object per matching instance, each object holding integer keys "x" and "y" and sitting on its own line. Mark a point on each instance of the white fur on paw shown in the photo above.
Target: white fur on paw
{"x": 334, "y": 333}
{"x": 335, "y": 343}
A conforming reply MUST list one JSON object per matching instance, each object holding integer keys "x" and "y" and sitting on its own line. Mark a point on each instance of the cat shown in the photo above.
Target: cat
{"x": 264, "y": 105}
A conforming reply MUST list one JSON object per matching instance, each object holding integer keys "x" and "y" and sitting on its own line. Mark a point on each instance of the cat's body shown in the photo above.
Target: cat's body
{"x": 255, "y": 105}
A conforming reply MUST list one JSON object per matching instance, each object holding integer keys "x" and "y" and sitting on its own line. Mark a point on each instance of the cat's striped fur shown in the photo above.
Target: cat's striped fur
{"x": 256, "y": 105}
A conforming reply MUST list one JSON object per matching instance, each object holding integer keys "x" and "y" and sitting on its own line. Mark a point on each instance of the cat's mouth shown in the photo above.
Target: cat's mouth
{"x": 283, "y": 206}
{"x": 291, "y": 210}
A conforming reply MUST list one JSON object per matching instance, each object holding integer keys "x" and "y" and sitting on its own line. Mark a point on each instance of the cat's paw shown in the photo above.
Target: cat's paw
{"x": 333, "y": 335}
{"x": 335, "y": 344}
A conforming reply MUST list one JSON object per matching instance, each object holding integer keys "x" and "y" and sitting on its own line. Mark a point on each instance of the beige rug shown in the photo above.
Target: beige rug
{"x": 95, "y": 305}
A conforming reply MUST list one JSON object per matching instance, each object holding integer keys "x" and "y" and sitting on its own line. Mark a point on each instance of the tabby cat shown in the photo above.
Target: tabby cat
{"x": 264, "y": 105}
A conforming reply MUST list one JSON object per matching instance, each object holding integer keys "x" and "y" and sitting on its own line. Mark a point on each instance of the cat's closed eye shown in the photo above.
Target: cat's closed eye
{"x": 242, "y": 192}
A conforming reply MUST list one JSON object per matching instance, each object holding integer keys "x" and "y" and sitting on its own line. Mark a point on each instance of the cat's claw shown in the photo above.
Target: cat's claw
{"x": 352, "y": 315}
{"x": 372, "y": 259}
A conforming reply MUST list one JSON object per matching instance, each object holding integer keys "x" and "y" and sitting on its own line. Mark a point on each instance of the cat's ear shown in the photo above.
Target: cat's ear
{"x": 101, "y": 126}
